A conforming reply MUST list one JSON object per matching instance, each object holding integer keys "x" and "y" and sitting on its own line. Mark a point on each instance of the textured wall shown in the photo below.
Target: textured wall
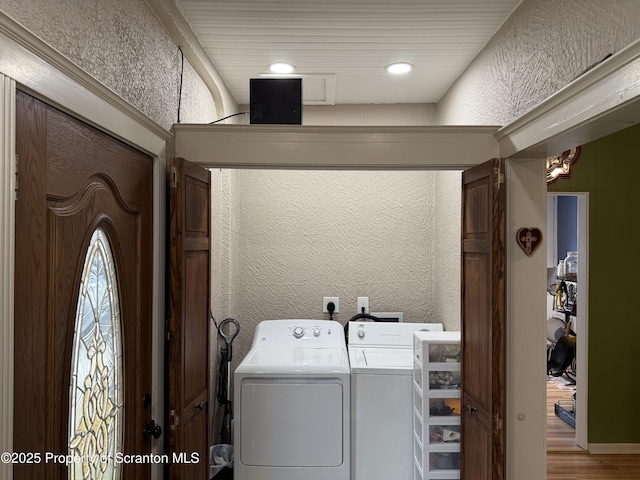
{"x": 224, "y": 264}
{"x": 302, "y": 235}
{"x": 123, "y": 45}
{"x": 540, "y": 49}
{"x": 448, "y": 221}
{"x": 395, "y": 114}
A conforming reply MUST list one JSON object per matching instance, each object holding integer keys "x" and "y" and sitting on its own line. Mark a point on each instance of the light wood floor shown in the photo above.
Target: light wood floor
{"x": 566, "y": 461}
{"x": 561, "y": 437}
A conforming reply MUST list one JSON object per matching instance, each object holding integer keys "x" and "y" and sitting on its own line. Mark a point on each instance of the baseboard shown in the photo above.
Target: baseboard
{"x": 613, "y": 448}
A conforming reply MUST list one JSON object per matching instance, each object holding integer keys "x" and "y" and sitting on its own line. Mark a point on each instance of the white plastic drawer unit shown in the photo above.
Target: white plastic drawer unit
{"x": 287, "y": 423}
{"x": 437, "y": 405}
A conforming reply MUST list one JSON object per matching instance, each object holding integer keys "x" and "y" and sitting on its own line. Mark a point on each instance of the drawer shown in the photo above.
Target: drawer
{"x": 449, "y": 461}
{"x": 442, "y": 433}
{"x": 437, "y": 403}
{"x": 441, "y": 380}
{"x": 436, "y": 347}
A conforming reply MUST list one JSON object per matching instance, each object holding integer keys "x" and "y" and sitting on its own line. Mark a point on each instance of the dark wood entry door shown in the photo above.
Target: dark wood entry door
{"x": 189, "y": 323}
{"x": 483, "y": 322}
{"x": 73, "y": 181}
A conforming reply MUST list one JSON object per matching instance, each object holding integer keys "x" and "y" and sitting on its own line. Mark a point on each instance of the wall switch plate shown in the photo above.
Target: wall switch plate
{"x": 325, "y": 302}
{"x": 363, "y": 302}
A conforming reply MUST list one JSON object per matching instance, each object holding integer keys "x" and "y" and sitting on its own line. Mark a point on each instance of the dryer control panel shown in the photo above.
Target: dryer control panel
{"x": 302, "y": 332}
{"x": 314, "y": 331}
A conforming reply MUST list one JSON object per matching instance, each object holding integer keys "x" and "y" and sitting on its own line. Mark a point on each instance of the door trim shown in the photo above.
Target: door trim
{"x": 525, "y": 419}
{"x": 44, "y": 73}
{"x": 582, "y": 394}
{"x": 582, "y": 340}
{"x": 7, "y": 260}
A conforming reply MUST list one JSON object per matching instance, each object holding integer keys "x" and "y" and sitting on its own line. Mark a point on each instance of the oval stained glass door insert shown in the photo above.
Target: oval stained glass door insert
{"x": 95, "y": 397}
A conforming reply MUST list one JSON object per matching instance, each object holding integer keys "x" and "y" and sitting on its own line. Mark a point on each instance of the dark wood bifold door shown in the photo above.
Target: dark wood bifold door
{"x": 83, "y": 296}
{"x": 483, "y": 322}
{"x": 189, "y": 323}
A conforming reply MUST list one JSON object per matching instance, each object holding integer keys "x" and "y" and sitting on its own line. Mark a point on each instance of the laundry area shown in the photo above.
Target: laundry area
{"x": 307, "y": 404}
{"x": 346, "y": 359}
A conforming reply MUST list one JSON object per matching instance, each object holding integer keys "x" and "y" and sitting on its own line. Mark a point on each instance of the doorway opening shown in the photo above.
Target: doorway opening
{"x": 284, "y": 238}
{"x": 567, "y": 320}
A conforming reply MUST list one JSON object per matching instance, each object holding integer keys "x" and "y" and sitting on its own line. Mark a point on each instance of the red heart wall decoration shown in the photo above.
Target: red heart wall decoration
{"x": 529, "y": 239}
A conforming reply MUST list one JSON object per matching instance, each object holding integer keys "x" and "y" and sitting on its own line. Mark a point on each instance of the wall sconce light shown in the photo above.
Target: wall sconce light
{"x": 560, "y": 165}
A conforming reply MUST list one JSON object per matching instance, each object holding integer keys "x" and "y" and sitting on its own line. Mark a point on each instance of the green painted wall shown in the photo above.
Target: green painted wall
{"x": 609, "y": 170}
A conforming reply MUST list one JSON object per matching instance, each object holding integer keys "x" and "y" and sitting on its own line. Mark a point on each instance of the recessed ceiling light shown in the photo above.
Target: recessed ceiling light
{"x": 399, "y": 68}
{"x": 281, "y": 68}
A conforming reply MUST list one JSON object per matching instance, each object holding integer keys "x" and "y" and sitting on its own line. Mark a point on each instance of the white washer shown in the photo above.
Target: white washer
{"x": 381, "y": 357}
{"x": 291, "y": 403}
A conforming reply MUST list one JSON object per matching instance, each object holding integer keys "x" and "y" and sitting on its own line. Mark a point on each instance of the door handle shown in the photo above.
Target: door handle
{"x": 151, "y": 429}
{"x": 471, "y": 410}
{"x": 200, "y": 406}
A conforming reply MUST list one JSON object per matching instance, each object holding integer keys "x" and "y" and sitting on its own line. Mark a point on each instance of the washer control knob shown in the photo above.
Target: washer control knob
{"x": 360, "y": 333}
{"x": 316, "y": 332}
{"x": 298, "y": 332}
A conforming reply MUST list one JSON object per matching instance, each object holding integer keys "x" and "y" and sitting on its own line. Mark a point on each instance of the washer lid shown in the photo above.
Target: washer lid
{"x": 381, "y": 361}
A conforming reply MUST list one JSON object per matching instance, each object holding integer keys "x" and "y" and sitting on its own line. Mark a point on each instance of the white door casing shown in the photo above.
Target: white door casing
{"x": 7, "y": 258}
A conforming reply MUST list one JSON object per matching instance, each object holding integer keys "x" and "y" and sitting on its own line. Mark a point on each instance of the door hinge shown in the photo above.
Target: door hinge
{"x": 174, "y": 420}
{"x": 17, "y": 176}
{"x": 499, "y": 177}
{"x": 174, "y": 177}
{"x": 497, "y": 423}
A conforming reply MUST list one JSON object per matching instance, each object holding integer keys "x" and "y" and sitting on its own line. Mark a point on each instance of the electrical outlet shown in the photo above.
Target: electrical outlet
{"x": 326, "y": 300}
{"x": 363, "y": 303}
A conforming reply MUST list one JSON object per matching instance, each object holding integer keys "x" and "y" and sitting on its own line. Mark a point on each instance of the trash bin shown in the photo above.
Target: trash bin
{"x": 221, "y": 462}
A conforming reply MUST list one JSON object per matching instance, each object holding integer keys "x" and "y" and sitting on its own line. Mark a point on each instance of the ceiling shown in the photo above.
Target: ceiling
{"x": 340, "y": 47}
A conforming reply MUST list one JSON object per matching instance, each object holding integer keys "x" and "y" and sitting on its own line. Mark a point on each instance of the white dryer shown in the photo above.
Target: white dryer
{"x": 381, "y": 357}
{"x": 291, "y": 403}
